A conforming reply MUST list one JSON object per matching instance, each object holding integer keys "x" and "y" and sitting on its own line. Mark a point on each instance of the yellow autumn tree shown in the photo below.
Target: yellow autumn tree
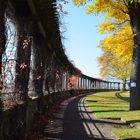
{"x": 119, "y": 13}
{"x": 120, "y": 44}
{"x": 117, "y": 55}
{"x": 117, "y": 48}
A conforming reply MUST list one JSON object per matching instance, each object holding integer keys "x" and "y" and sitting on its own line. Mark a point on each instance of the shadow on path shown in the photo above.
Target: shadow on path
{"x": 74, "y": 122}
{"x": 75, "y": 125}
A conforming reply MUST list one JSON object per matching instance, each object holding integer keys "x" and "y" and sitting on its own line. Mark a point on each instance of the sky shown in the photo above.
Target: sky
{"x": 82, "y": 39}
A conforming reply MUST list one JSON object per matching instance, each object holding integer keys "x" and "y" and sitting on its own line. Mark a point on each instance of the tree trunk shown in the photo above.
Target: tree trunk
{"x": 134, "y": 13}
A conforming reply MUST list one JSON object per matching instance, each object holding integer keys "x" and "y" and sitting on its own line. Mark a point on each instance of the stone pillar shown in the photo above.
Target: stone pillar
{"x": 105, "y": 85}
{"x": 92, "y": 85}
{"x": 81, "y": 83}
{"x": 114, "y": 86}
{"x": 95, "y": 84}
{"x": 64, "y": 75}
{"x": 84, "y": 83}
{"x": 63, "y": 82}
{"x": 101, "y": 85}
{"x": 98, "y": 85}
{"x": 67, "y": 81}
{"x": 78, "y": 83}
{"x": 3, "y": 5}
{"x": 87, "y": 84}
{"x": 118, "y": 86}
{"x": 109, "y": 85}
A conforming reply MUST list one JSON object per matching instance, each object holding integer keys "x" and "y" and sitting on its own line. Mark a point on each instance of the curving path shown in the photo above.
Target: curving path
{"x": 74, "y": 122}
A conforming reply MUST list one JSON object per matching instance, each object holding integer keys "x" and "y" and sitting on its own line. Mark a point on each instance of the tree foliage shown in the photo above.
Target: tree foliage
{"x": 117, "y": 54}
{"x": 121, "y": 13}
{"x": 117, "y": 46}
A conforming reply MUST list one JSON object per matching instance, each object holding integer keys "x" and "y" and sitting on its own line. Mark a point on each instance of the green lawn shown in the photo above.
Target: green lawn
{"x": 115, "y": 104}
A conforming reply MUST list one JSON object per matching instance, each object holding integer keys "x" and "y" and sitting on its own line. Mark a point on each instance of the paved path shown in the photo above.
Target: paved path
{"x": 74, "y": 122}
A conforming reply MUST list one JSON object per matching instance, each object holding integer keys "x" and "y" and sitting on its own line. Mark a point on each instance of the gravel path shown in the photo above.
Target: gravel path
{"x": 74, "y": 122}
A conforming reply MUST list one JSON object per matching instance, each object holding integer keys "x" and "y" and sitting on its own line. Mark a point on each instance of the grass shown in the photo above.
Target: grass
{"x": 115, "y": 104}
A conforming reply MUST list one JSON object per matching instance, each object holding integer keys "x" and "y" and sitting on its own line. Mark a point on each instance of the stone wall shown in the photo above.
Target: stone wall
{"x": 15, "y": 122}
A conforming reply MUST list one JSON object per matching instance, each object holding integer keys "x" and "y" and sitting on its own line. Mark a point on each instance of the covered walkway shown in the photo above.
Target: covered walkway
{"x": 35, "y": 73}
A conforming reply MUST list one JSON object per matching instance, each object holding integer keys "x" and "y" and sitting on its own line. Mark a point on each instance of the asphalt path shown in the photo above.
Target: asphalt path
{"x": 73, "y": 121}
